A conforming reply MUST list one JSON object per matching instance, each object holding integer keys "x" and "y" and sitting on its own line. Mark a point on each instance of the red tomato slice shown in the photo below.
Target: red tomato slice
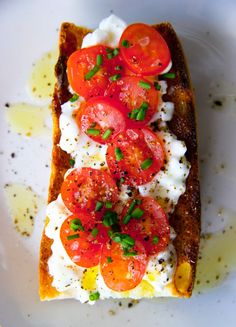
{"x": 120, "y": 272}
{"x": 82, "y": 188}
{"x": 102, "y": 119}
{"x": 129, "y": 91}
{"x": 83, "y": 61}
{"x": 136, "y": 155}
{"x": 82, "y": 247}
{"x": 152, "y": 229}
{"x": 144, "y": 50}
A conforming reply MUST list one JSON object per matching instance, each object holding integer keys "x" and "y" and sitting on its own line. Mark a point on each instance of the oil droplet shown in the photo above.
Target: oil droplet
{"x": 217, "y": 257}
{"x": 27, "y": 119}
{"x": 42, "y": 79}
{"x": 24, "y": 205}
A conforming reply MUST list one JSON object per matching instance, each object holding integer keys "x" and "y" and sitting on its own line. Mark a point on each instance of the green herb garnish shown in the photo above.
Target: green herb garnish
{"x": 118, "y": 153}
{"x": 155, "y": 240}
{"x": 94, "y": 296}
{"x": 99, "y": 60}
{"x": 94, "y": 232}
{"x": 110, "y": 218}
{"x": 108, "y": 204}
{"x": 115, "y": 77}
{"x": 125, "y": 43}
{"x": 72, "y": 237}
{"x": 107, "y": 134}
{"x": 74, "y": 98}
{"x": 71, "y": 162}
{"x": 146, "y": 163}
{"x": 144, "y": 85}
{"x": 92, "y": 72}
{"x": 168, "y": 75}
{"x": 98, "y": 206}
{"x": 109, "y": 259}
{"x": 137, "y": 213}
{"x": 157, "y": 86}
{"x": 76, "y": 225}
{"x": 93, "y": 131}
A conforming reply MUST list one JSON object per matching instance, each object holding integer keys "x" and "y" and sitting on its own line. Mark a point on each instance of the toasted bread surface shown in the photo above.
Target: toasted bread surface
{"x": 186, "y": 216}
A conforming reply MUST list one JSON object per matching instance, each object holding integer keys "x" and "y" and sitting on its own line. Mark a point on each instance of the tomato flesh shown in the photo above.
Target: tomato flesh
{"x": 147, "y": 52}
{"x": 83, "y": 61}
{"x": 137, "y": 146}
{"x": 152, "y": 229}
{"x": 82, "y": 188}
{"x": 81, "y": 246}
{"x": 120, "y": 272}
{"x": 132, "y": 95}
{"x": 101, "y": 115}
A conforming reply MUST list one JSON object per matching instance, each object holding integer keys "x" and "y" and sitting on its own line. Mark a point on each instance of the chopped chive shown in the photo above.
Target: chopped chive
{"x": 118, "y": 67}
{"x": 126, "y": 241}
{"x": 109, "y": 218}
{"x": 93, "y": 131}
{"x": 109, "y": 259}
{"x": 110, "y": 55}
{"x": 92, "y": 72}
{"x": 119, "y": 155}
{"x": 76, "y": 224}
{"x": 122, "y": 180}
{"x": 168, "y": 75}
{"x": 74, "y": 98}
{"x": 126, "y": 219}
{"x": 144, "y": 85}
{"x": 94, "y": 232}
{"x": 133, "y": 114}
{"x": 130, "y": 254}
{"x": 99, "y": 60}
{"x": 94, "y": 296}
{"x": 157, "y": 86}
{"x": 108, "y": 204}
{"x": 131, "y": 207}
{"x": 155, "y": 240}
{"x": 98, "y": 206}
{"x": 107, "y": 134}
{"x": 108, "y": 50}
{"x": 141, "y": 114}
{"x": 72, "y": 237}
{"x": 116, "y": 51}
{"x": 137, "y": 213}
{"x": 115, "y": 77}
{"x": 125, "y": 43}
{"x": 146, "y": 163}
{"x": 71, "y": 162}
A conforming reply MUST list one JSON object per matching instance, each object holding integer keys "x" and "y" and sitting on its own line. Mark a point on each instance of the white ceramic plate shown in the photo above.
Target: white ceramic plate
{"x": 208, "y": 32}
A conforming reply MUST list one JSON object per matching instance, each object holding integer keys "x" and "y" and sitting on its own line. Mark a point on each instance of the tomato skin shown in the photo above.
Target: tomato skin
{"x": 147, "y": 53}
{"x": 128, "y": 91}
{"x": 81, "y": 62}
{"x": 107, "y": 114}
{"x": 82, "y": 188}
{"x": 154, "y": 223}
{"x": 85, "y": 250}
{"x": 136, "y": 146}
{"x": 123, "y": 273}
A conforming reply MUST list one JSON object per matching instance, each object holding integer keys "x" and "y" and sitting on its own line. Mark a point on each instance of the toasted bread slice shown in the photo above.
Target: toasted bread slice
{"x": 186, "y": 216}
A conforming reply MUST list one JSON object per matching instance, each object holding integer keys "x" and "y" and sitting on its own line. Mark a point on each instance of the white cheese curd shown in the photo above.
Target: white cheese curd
{"x": 108, "y": 33}
{"x": 168, "y": 185}
{"x": 85, "y": 151}
{"x": 68, "y": 277}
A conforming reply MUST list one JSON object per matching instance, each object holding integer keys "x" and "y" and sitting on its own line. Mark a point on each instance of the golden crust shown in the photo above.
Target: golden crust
{"x": 186, "y": 217}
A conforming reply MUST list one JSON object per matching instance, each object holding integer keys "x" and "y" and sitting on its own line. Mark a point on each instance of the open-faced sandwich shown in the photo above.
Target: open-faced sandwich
{"x": 123, "y": 218}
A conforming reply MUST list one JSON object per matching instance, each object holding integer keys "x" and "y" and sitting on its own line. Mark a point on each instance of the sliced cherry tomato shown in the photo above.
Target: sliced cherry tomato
{"x": 120, "y": 272}
{"x": 82, "y": 188}
{"x": 136, "y": 155}
{"x": 83, "y": 243}
{"x": 133, "y": 92}
{"x": 102, "y": 119}
{"x": 83, "y": 61}
{"x": 144, "y": 50}
{"x": 151, "y": 228}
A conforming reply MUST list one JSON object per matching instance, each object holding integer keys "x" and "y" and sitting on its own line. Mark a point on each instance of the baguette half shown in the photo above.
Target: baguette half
{"x": 186, "y": 217}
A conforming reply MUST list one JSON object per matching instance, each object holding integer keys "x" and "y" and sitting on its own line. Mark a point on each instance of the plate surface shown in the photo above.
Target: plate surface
{"x": 208, "y": 33}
